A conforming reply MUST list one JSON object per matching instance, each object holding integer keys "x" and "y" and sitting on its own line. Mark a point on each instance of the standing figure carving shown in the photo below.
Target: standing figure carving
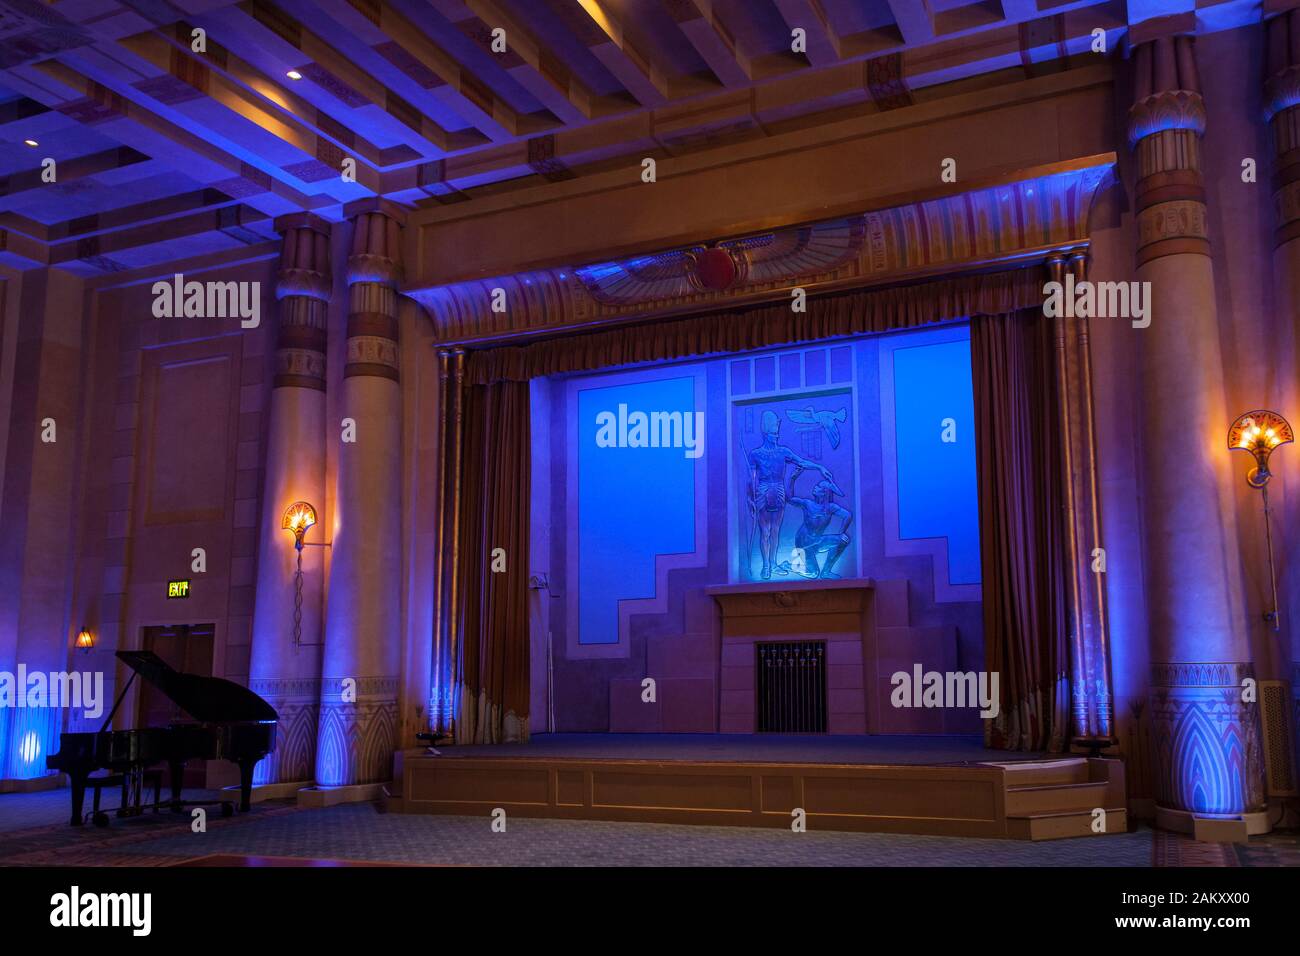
{"x": 767, "y": 492}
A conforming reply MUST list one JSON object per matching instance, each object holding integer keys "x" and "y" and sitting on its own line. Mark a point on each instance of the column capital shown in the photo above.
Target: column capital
{"x": 376, "y": 204}
{"x": 302, "y": 220}
{"x": 376, "y": 254}
{"x": 304, "y": 257}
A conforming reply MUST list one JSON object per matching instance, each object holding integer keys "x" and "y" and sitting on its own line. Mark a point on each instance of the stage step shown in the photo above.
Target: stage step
{"x": 1033, "y": 772}
{"x": 1061, "y": 826}
{"x": 1055, "y": 797}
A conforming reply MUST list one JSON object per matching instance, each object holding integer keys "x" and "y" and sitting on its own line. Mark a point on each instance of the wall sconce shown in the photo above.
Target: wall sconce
{"x": 1260, "y": 432}
{"x": 298, "y": 517}
{"x": 85, "y": 640}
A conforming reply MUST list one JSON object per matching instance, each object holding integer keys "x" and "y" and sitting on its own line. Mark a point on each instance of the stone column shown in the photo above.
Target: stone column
{"x": 286, "y": 659}
{"x": 358, "y": 721}
{"x": 1207, "y": 740}
{"x": 1282, "y": 110}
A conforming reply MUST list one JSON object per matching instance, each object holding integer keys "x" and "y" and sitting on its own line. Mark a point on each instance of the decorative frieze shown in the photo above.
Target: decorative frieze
{"x": 989, "y": 224}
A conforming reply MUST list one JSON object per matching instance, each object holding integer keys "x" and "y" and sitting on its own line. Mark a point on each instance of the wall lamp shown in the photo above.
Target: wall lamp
{"x": 85, "y": 640}
{"x": 1259, "y": 433}
{"x": 298, "y": 517}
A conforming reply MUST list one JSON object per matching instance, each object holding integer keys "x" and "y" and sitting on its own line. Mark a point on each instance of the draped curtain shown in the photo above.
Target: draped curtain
{"x": 1021, "y": 514}
{"x": 762, "y": 326}
{"x": 492, "y": 672}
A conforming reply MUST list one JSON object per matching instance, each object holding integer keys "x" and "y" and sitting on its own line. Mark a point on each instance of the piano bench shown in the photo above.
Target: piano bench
{"x": 97, "y": 784}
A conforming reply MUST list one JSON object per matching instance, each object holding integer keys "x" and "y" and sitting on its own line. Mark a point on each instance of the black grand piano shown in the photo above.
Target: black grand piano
{"x": 229, "y": 722}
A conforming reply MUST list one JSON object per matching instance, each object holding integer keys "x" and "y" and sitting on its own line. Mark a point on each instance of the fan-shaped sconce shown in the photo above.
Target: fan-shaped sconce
{"x": 1259, "y": 432}
{"x": 298, "y": 517}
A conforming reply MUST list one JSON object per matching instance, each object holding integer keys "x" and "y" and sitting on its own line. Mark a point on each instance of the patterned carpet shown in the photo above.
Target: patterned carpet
{"x": 359, "y": 832}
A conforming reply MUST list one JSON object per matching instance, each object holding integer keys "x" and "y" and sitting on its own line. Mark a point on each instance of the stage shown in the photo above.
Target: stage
{"x": 932, "y": 784}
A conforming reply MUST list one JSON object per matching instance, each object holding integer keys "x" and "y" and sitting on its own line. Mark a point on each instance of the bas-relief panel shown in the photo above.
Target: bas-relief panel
{"x": 794, "y": 465}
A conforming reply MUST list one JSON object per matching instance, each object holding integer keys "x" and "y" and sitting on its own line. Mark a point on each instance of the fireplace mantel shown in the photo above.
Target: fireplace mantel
{"x": 819, "y": 596}
{"x": 837, "y": 611}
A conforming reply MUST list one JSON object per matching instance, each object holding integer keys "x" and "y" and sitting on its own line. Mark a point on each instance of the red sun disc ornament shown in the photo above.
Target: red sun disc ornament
{"x": 715, "y": 269}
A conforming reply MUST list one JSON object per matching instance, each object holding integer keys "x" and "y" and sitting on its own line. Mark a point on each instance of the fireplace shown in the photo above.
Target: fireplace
{"x": 791, "y": 679}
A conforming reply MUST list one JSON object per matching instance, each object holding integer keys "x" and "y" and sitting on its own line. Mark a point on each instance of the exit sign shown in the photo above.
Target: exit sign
{"x": 178, "y": 589}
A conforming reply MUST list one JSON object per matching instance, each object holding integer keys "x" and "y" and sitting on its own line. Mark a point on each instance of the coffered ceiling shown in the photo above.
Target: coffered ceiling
{"x": 166, "y": 147}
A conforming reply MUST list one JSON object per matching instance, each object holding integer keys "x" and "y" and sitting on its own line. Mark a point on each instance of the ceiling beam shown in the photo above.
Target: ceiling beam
{"x": 70, "y": 170}
{"x": 915, "y": 22}
{"x": 819, "y": 38}
{"x": 111, "y": 103}
{"x": 619, "y": 54}
{"x": 278, "y": 121}
{"x": 712, "y": 40}
{"x": 338, "y": 75}
{"x": 541, "y": 62}
{"x": 121, "y": 217}
{"x": 241, "y": 223}
{"x": 477, "y": 101}
{"x": 280, "y": 94}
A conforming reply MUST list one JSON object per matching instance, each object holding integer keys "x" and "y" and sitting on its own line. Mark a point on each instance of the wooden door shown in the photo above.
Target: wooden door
{"x": 188, "y": 649}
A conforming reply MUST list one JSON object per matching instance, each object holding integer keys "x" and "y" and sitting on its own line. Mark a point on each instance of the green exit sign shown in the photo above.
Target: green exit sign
{"x": 178, "y": 589}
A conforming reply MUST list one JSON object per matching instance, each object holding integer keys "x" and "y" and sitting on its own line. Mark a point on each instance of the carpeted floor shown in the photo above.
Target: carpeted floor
{"x": 33, "y": 832}
{"x": 360, "y": 832}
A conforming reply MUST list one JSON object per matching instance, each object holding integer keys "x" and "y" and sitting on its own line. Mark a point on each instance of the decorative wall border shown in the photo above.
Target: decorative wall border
{"x": 657, "y": 602}
{"x": 895, "y": 546}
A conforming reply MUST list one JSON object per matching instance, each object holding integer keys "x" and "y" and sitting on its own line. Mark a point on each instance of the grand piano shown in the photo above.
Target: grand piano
{"x": 228, "y": 722}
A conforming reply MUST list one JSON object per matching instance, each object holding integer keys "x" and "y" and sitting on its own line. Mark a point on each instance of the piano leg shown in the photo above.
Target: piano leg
{"x": 176, "y": 777}
{"x": 78, "y": 782}
{"x": 246, "y": 765}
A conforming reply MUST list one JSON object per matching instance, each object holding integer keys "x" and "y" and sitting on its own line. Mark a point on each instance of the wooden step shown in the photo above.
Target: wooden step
{"x": 1029, "y": 773}
{"x": 1061, "y": 826}
{"x": 1054, "y": 798}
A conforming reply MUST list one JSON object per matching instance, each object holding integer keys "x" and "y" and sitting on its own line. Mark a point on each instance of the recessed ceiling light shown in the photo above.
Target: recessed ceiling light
{"x": 31, "y": 142}
{"x": 294, "y": 75}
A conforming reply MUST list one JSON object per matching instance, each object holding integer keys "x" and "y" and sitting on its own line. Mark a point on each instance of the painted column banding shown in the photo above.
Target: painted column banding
{"x": 1207, "y": 739}
{"x": 284, "y": 669}
{"x": 1282, "y": 111}
{"x": 362, "y": 659}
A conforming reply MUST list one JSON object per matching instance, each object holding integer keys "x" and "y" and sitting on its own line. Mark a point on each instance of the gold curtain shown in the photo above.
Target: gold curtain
{"x": 1021, "y": 515}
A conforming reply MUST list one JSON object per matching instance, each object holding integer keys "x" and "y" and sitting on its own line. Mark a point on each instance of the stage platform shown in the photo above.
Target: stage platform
{"x": 928, "y": 784}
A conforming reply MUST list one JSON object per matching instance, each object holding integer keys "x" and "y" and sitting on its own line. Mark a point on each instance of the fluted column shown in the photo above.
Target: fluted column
{"x": 286, "y": 659}
{"x": 359, "y": 685}
{"x": 1207, "y": 739}
{"x": 1282, "y": 110}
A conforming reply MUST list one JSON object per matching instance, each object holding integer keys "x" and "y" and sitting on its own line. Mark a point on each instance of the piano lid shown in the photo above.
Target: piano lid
{"x": 206, "y": 699}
